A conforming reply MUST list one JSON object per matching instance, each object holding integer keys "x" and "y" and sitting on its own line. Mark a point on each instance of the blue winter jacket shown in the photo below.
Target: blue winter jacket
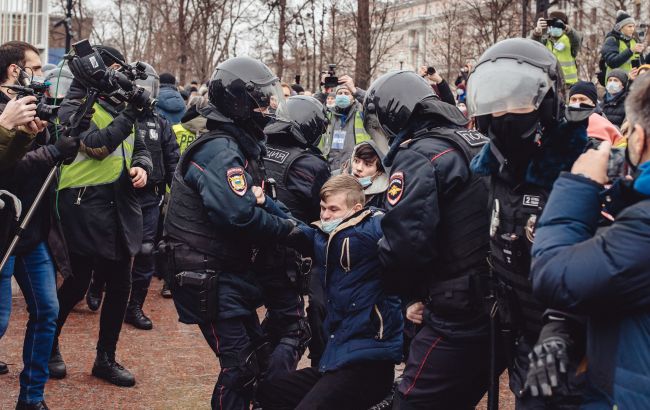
{"x": 362, "y": 322}
{"x": 604, "y": 275}
{"x": 170, "y": 104}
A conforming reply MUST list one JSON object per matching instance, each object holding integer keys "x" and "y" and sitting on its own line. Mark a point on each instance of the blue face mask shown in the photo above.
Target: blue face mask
{"x": 365, "y": 181}
{"x": 342, "y": 101}
{"x": 555, "y": 31}
{"x": 329, "y": 226}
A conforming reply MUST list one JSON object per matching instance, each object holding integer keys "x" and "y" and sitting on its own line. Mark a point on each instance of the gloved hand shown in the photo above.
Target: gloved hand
{"x": 84, "y": 122}
{"x": 550, "y": 359}
{"x": 297, "y": 238}
{"x": 65, "y": 149}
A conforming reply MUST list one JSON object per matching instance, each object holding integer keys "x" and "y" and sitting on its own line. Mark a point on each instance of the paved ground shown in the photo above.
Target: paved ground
{"x": 174, "y": 367}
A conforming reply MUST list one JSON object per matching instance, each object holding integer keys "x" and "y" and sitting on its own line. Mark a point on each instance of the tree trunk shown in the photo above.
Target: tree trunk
{"x": 362, "y": 70}
{"x": 282, "y": 37}
{"x": 182, "y": 42}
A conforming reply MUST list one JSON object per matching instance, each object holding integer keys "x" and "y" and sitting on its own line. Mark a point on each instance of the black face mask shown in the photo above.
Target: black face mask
{"x": 510, "y": 127}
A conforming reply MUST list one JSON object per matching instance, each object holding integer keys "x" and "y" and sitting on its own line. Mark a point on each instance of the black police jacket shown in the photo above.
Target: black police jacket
{"x": 212, "y": 208}
{"x": 436, "y": 222}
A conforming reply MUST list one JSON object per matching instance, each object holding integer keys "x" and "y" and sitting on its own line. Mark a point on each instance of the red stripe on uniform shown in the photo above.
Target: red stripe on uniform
{"x": 435, "y": 157}
{"x": 197, "y": 165}
{"x": 433, "y": 345}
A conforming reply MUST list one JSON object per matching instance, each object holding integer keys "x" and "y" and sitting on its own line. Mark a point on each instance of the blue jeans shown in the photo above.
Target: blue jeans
{"x": 36, "y": 277}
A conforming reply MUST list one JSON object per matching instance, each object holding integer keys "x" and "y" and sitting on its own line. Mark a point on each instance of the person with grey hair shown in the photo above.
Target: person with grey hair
{"x": 604, "y": 274}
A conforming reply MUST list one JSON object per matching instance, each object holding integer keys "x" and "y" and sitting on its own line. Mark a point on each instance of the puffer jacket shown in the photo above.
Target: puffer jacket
{"x": 362, "y": 322}
{"x": 170, "y": 104}
{"x": 614, "y": 108}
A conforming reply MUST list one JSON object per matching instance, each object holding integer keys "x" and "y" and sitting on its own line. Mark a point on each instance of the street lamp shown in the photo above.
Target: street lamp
{"x": 401, "y": 61}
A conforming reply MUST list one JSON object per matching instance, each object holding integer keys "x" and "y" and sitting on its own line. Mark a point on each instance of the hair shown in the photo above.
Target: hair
{"x": 344, "y": 184}
{"x": 637, "y": 104}
{"x": 13, "y": 52}
{"x": 366, "y": 153}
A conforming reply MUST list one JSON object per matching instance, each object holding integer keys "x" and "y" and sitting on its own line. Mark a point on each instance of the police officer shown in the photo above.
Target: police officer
{"x": 213, "y": 224}
{"x": 515, "y": 95}
{"x": 434, "y": 244}
{"x": 160, "y": 141}
{"x": 299, "y": 170}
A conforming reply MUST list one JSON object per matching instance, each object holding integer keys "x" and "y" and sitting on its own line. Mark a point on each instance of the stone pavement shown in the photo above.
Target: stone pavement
{"x": 173, "y": 366}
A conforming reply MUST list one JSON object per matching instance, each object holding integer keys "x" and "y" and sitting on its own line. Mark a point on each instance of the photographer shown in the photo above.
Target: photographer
{"x": 621, "y": 50}
{"x": 17, "y": 129}
{"x": 563, "y": 41}
{"x": 31, "y": 262}
{"x": 100, "y": 212}
{"x": 604, "y": 275}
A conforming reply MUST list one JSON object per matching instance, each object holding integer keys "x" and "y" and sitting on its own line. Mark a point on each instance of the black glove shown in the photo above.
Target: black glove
{"x": 66, "y": 149}
{"x": 84, "y": 122}
{"x": 297, "y": 239}
{"x": 550, "y": 359}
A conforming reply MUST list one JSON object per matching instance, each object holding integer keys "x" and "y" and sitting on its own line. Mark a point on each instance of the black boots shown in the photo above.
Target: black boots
{"x": 3, "y": 368}
{"x": 107, "y": 368}
{"x": 21, "y": 405}
{"x": 95, "y": 294}
{"x": 56, "y": 365}
{"x": 165, "y": 292}
{"x": 134, "y": 314}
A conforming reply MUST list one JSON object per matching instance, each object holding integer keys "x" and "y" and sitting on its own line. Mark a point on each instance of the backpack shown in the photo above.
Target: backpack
{"x": 602, "y": 67}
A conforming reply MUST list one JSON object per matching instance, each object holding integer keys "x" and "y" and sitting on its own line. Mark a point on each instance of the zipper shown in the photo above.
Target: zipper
{"x": 380, "y": 335}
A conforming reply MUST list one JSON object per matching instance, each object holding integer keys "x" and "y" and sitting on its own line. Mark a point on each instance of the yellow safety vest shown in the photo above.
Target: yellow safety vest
{"x": 87, "y": 171}
{"x": 627, "y": 66}
{"x": 184, "y": 137}
{"x": 564, "y": 57}
{"x": 360, "y": 134}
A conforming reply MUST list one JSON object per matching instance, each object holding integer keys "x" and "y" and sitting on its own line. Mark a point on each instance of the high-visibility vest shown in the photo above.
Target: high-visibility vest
{"x": 627, "y": 66}
{"x": 360, "y": 134}
{"x": 564, "y": 57}
{"x": 87, "y": 171}
{"x": 184, "y": 137}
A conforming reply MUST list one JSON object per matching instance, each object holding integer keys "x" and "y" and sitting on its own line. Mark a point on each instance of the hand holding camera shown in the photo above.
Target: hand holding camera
{"x": 594, "y": 163}
{"x": 18, "y": 112}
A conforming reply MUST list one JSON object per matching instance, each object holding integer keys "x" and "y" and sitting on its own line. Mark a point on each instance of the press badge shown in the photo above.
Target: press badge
{"x": 338, "y": 139}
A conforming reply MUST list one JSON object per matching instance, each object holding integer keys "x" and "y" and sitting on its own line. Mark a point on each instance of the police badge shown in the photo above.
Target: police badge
{"x": 237, "y": 180}
{"x": 530, "y": 227}
{"x": 395, "y": 188}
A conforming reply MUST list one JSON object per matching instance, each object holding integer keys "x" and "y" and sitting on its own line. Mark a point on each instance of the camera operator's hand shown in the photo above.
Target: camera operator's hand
{"x": 593, "y": 163}
{"x": 415, "y": 312}
{"x": 19, "y": 112}
{"x": 138, "y": 177}
{"x": 84, "y": 122}
{"x": 34, "y": 127}
{"x": 347, "y": 81}
{"x": 434, "y": 78}
{"x": 541, "y": 26}
{"x": 66, "y": 149}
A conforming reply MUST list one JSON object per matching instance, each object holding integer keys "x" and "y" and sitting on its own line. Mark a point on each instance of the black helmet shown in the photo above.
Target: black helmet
{"x": 303, "y": 117}
{"x": 241, "y": 89}
{"x": 517, "y": 73}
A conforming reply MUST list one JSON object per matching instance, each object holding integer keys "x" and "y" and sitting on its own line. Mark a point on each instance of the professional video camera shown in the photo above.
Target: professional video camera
{"x": 28, "y": 86}
{"x": 119, "y": 85}
{"x": 331, "y": 81}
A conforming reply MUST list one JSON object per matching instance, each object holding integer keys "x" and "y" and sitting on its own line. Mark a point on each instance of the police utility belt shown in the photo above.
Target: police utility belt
{"x": 460, "y": 296}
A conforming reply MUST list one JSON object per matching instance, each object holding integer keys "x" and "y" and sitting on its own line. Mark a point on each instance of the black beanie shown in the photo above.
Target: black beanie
{"x": 107, "y": 59}
{"x": 167, "y": 78}
{"x": 586, "y": 88}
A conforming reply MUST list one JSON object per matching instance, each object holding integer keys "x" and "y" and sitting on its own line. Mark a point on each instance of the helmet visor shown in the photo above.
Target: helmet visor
{"x": 266, "y": 96}
{"x": 505, "y": 85}
{"x": 374, "y": 128}
{"x": 151, "y": 84}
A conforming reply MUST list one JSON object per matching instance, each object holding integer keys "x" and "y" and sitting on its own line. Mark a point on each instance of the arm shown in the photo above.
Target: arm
{"x": 573, "y": 269}
{"x": 306, "y": 177}
{"x": 611, "y": 55}
{"x": 445, "y": 93}
{"x": 170, "y": 150}
{"x": 13, "y": 146}
{"x": 141, "y": 156}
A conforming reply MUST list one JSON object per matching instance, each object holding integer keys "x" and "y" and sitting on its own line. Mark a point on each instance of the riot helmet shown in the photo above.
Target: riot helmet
{"x": 516, "y": 74}
{"x": 152, "y": 82}
{"x": 60, "y": 80}
{"x": 391, "y": 101}
{"x": 241, "y": 89}
{"x": 301, "y": 116}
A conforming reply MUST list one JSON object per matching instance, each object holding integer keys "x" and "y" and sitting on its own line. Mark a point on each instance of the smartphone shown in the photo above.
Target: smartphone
{"x": 431, "y": 71}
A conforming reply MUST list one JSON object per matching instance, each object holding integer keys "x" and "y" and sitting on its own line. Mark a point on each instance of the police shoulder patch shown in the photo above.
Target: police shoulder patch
{"x": 395, "y": 188}
{"x": 473, "y": 137}
{"x": 237, "y": 180}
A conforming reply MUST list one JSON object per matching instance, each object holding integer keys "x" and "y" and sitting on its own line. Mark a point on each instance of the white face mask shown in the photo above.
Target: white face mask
{"x": 614, "y": 87}
{"x": 329, "y": 226}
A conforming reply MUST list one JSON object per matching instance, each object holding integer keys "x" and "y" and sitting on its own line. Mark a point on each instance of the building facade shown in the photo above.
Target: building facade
{"x": 25, "y": 20}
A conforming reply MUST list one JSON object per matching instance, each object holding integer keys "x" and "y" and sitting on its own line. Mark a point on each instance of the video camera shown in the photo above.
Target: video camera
{"x": 331, "y": 81}
{"x": 119, "y": 85}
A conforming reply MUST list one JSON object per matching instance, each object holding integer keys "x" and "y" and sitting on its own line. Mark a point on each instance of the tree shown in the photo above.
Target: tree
{"x": 362, "y": 60}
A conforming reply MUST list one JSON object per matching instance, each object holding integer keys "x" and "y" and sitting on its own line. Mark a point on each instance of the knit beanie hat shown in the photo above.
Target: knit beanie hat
{"x": 557, "y": 14}
{"x": 106, "y": 58}
{"x": 622, "y": 20}
{"x": 167, "y": 78}
{"x": 620, "y": 74}
{"x": 586, "y": 88}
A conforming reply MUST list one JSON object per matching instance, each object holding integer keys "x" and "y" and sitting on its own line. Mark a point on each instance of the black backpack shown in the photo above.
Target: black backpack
{"x": 602, "y": 67}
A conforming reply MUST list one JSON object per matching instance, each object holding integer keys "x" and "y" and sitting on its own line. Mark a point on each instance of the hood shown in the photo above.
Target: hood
{"x": 380, "y": 183}
{"x": 601, "y": 128}
{"x": 196, "y": 125}
{"x": 170, "y": 100}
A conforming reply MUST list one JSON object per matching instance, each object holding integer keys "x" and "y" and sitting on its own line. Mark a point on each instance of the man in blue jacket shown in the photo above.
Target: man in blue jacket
{"x": 363, "y": 324}
{"x": 604, "y": 275}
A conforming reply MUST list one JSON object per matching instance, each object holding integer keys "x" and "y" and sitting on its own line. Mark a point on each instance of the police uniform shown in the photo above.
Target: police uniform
{"x": 211, "y": 228}
{"x": 299, "y": 174}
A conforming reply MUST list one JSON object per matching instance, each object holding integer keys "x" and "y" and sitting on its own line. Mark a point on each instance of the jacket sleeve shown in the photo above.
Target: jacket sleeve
{"x": 445, "y": 93}
{"x": 611, "y": 55}
{"x": 574, "y": 268}
{"x": 575, "y": 38}
{"x": 13, "y": 146}
{"x": 141, "y": 156}
{"x": 209, "y": 174}
{"x": 171, "y": 152}
{"x": 306, "y": 178}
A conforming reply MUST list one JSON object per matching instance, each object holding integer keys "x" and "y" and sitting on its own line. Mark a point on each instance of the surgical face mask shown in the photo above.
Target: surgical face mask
{"x": 329, "y": 226}
{"x": 331, "y": 106}
{"x": 614, "y": 87}
{"x": 342, "y": 101}
{"x": 555, "y": 31}
{"x": 365, "y": 181}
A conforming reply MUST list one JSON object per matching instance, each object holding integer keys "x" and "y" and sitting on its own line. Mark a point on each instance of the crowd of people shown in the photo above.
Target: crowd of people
{"x": 499, "y": 223}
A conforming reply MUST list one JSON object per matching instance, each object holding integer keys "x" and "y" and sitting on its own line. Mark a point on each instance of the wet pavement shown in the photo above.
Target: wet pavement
{"x": 173, "y": 366}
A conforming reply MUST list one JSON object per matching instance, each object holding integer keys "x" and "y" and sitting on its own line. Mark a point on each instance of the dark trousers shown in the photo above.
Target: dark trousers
{"x": 233, "y": 341}
{"x": 144, "y": 264}
{"x": 117, "y": 276}
{"x": 354, "y": 387}
{"x": 445, "y": 370}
